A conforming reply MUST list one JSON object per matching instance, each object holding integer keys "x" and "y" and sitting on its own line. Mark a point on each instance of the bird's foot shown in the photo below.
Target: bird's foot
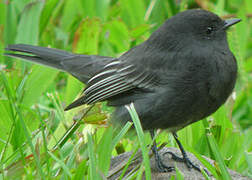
{"x": 187, "y": 161}
{"x": 161, "y": 167}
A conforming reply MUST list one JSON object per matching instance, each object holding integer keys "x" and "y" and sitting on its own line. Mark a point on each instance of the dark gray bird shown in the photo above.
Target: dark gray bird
{"x": 183, "y": 73}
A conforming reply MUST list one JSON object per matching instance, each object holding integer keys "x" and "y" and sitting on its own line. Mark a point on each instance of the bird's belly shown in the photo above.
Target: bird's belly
{"x": 164, "y": 113}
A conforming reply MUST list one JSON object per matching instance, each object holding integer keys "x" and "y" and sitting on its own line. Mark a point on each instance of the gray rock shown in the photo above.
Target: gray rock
{"x": 118, "y": 163}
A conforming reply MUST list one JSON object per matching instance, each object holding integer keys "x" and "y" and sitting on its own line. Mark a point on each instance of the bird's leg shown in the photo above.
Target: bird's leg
{"x": 185, "y": 157}
{"x": 159, "y": 164}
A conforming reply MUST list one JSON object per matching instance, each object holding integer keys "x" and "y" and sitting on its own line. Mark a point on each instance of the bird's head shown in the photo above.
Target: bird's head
{"x": 192, "y": 26}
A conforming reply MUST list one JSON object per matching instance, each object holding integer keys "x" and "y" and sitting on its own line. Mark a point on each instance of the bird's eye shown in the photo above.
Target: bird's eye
{"x": 209, "y": 30}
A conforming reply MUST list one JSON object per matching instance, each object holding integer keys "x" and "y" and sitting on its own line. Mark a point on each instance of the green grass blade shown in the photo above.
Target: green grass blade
{"x": 215, "y": 150}
{"x": 62, "y": 164}
{"x": 25, "y": 130}
{"x": 248, "y": 157}
{"x": 141, "y": 139}
{"x": 128, "y": 163}
{"x": 71, "y": 130}
{"x": 119, "y": 136}
{"x": 179, "y": 175}
{"x": 104, "y": 151}
{"x": 207, "y": 165}
{"x": 92, "y": 160}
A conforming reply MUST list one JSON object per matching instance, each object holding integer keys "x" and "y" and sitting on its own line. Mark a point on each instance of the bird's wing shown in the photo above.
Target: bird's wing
{"x": 115, "y": 78}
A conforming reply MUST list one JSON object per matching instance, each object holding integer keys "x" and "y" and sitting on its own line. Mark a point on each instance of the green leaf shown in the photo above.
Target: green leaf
{"x": 28, "y": 27}
{"x": 133, "y": 12}
{"x": 86, "y": 38}
{"x": 37, "y": 82}
{"x": 102, "y": 8}
{"x": 46, "y": 14}
{"x": 73, "y": 88}
{"x": 116, "y": 33}
{"x": 69, "y": 14}
{"x": 81, "y": 170}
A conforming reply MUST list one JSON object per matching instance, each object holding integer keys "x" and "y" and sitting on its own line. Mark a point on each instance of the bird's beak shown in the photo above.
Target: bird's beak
{"x": 230, "y": 22}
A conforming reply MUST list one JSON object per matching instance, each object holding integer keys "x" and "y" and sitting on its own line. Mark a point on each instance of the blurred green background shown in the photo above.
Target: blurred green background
{"x": 32, "y": 97}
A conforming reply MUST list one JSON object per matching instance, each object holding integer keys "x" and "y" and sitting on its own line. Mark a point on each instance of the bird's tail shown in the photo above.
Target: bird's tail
{"x": 42, "y": 55}
{"x": 83, "y": 67}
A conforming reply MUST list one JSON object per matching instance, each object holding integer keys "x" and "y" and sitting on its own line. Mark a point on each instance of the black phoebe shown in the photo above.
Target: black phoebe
{"x": 183, "y": 73}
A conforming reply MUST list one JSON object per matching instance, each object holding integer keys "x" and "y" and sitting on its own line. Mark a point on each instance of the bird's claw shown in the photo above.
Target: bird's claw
{"x": 187, "y": 161}
{"x": 163, "y": 168}
{"x": 175, "y": 157}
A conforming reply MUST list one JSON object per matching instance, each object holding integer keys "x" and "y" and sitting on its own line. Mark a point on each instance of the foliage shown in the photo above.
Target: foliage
{"x": 39, "y": 139}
